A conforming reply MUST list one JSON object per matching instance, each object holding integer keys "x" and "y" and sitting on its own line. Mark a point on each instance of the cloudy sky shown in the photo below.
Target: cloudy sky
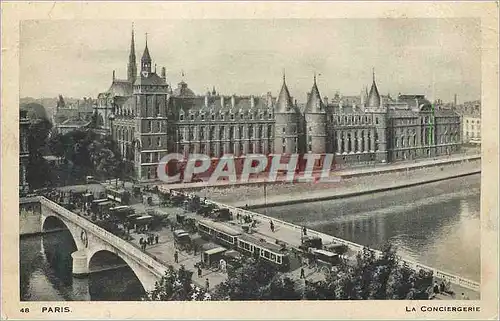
{"x": 435, "y": 57}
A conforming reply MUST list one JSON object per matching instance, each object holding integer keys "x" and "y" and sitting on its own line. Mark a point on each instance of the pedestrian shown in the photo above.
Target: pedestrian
{"x": 272, "y": 226}
{"x": 464, "y": 296}
{"x": 207, "y": 284}
{"x": 436, "y": 288}
{"x": 441, "y": 287}
{"x": 199, "y": 271}
{"x": 176, "y": 257}
{"x": 141, "y": 240}
{"x": 304, "y": 231}
{"x": 156, "y": 238}
{"x": 302, "y": 273}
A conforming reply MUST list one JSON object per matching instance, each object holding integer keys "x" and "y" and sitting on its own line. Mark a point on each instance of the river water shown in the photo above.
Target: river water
{"x": 45, "y": 274}
{"x": 434, "y": 224}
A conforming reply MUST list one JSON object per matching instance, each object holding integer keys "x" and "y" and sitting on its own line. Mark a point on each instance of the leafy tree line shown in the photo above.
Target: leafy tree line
{"x": 85, "y": 152}
{"x": 382, "y": 278}
{"x": 38, "y": 171}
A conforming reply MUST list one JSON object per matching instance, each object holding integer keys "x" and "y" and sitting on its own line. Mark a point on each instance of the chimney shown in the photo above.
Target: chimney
{"x": 269, "y": 99}
{"x": 222, "y": 101}
{"x": 325, "y": 100}
{"x": 163, "y": 73}
{"x": 113, "y": 75}
{"x": 455, "y": 100}
{"x": 206, "y": 100}
{"x": 233, "y": 101}
{"x": 252, "y": 102}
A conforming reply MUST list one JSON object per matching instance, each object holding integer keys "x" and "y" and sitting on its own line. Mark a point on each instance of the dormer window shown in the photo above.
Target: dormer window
{"x": 251, "y": 116}
{"x": 181, "y": 116}
{"x": 270, "y": 115}
{"x": 232, "y": 116}
{"x": 191, "y": 116}
{"x": 202, "y": 116}
{"x": 241, "y": 116}
{"x": 221, "y": 116}
{"x": 213, "y": 117}
{"x": 261, "y": 116}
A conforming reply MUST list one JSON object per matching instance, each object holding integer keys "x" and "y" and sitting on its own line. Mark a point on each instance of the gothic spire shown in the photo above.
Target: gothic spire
{"x": 132, "y": 64}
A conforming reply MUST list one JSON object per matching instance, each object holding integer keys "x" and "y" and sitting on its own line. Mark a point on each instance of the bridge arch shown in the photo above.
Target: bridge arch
{"x": 49, "y": 222}
{"x": 146, "y": 278}
{"x": 105, "y": 259}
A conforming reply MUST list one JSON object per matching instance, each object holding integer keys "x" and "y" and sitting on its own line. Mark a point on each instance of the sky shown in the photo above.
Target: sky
{"x": 435, "y": 57}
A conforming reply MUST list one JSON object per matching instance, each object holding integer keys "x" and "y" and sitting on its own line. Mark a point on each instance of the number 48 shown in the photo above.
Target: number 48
{"x": 25, "y": 310}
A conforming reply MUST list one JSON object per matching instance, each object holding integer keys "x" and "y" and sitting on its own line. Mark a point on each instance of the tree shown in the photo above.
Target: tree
{"x": 177, "y": 286}
{"x": 38, "y": 171}
{"x": 256, "y": 280}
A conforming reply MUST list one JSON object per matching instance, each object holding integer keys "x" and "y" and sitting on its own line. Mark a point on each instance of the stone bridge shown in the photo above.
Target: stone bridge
{"x": 92, "y": 241}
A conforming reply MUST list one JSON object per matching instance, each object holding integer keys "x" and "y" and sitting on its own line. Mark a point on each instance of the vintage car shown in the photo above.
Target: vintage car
{"x": 182, "y": 240}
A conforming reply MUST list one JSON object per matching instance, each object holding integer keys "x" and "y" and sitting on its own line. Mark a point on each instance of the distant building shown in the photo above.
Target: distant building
{"x": 24, "y": 125}
{"x": 70, "y": 117}
{"x": 149, "y": 119}
{"x": 471, "y": 122}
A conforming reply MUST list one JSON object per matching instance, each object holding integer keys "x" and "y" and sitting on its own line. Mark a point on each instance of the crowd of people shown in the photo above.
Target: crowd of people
{"x": 149, "y": 240}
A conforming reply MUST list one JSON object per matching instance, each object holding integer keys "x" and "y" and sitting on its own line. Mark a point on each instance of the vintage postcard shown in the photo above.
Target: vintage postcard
{"x": 249, "y": 160}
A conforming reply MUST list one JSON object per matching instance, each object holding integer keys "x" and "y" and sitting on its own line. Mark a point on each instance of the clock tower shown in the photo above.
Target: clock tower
{"x": 146, "y": 61}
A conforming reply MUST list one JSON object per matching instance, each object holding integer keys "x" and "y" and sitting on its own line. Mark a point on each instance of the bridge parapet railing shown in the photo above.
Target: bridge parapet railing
{"x": 106, "y": 236}
{"x": 353, "y": 246}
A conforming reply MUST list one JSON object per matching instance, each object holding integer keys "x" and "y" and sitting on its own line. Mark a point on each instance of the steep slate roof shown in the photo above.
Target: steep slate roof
{"x": 414, "y": 101}
{"x": 285, "y": 103}
{"x": 373, "y": 96}
{"x": 145, "y": 55}
{"x": 183, "y": 91}
{"x": 314, "y": 103}
{"x": 120, "y": 87}
{"x": 151, "y": 80}
{"x": 214, "y": 104}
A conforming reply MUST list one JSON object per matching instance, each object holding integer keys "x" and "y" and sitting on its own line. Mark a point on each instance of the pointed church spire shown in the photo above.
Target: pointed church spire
{"x": 132, "y": 64}
{"x": 373, "y": 74}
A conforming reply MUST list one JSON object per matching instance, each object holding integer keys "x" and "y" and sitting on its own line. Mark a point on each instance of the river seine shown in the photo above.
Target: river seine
{"x": 435, "y": 224}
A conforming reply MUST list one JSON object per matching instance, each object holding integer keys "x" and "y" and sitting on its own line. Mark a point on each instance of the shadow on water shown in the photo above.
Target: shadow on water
{"x": 46, "y": 274}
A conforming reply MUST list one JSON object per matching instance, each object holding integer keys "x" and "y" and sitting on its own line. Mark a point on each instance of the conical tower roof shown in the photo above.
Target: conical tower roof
{"x": 284, "y": 103}
{"x": 145, "y": 55}
{"x": 314, "y": 103}
{"x": 373, "y": 96}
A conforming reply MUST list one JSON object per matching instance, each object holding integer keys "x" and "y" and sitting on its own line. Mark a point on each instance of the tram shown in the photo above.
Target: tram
{"x": 244, "y": 243}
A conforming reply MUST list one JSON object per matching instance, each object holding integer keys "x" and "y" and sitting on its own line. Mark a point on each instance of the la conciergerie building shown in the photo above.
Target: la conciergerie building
{"x": 149, "y": 119}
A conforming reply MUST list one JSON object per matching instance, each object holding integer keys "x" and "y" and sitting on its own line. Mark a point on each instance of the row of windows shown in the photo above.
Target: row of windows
{"x": 225, "y": 116}
{"x": 239, "y": 149}
{"x": 124, "y": 133}
{"x": 352, "y": 119}
{"x": 472, "y": 121}
{"x": 270, "y": 256}
{"x": 154, "y": 157}
{"x": 233, "y": 132}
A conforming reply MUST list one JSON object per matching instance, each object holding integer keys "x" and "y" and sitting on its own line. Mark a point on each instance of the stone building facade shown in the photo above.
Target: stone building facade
{"x": 149, "y": 119}
{"x": 24, "y": 125}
